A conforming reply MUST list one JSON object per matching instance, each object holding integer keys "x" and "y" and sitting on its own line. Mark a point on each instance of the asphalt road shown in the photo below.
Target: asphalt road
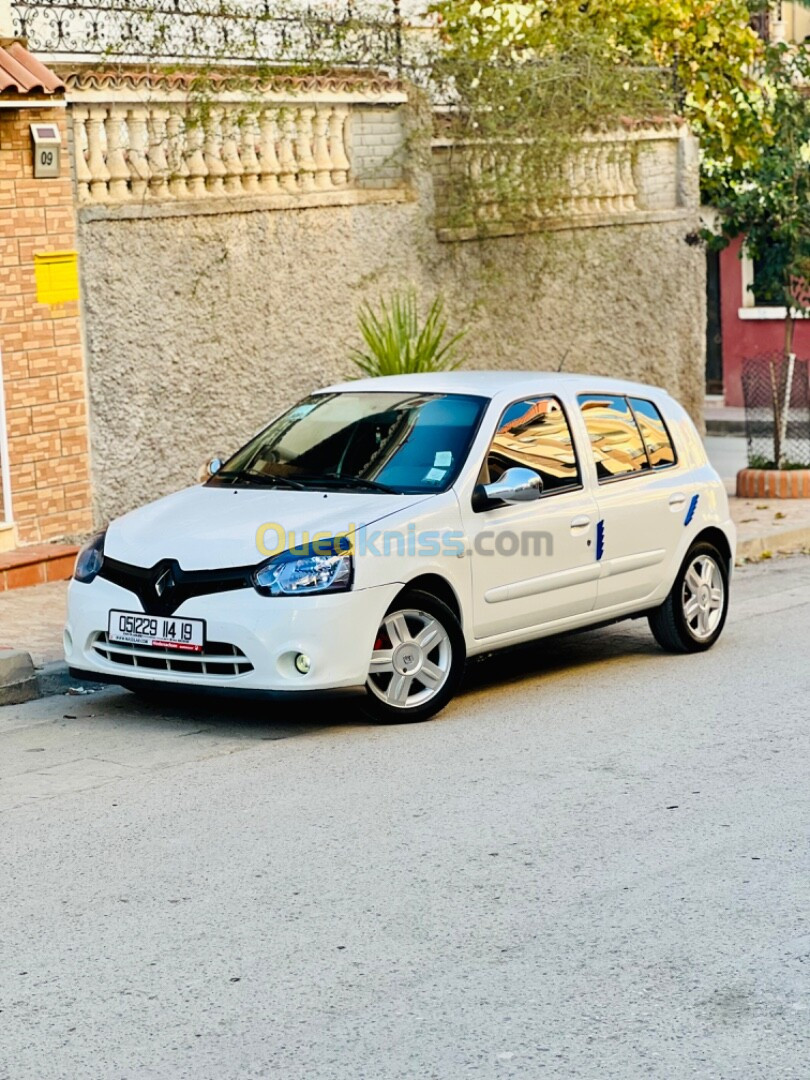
{"x": 594, "y": 864}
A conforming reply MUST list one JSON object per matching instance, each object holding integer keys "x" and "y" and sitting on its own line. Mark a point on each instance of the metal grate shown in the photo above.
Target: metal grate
{"x": 240, "y": 31}
{"x": 776, "y": 391}
{"x": 218, "y": 658}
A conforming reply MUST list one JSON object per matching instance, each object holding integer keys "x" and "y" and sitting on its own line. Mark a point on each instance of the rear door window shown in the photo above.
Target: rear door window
{"x": 616, "y": 441}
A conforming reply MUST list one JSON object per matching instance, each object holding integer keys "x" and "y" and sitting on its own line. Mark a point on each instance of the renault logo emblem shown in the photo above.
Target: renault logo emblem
{"x": 164, "y": 582}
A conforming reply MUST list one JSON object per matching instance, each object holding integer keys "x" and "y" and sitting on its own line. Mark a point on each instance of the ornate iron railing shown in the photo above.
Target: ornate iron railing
{"x": 337, "y": 33}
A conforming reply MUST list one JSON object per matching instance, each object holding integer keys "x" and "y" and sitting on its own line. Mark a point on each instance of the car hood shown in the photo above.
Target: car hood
{"x": 205, "y": 528}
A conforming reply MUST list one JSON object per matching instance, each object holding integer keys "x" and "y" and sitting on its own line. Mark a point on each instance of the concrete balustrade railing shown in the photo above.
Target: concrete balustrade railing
{"x": 597, "y": 180}
{"x": 156, "y": 151}
{"x": 611, "y": 177}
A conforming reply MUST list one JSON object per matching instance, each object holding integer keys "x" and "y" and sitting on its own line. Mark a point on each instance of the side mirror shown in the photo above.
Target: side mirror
{"x": 516, "y": 485}
{"x": 211, "y": 467}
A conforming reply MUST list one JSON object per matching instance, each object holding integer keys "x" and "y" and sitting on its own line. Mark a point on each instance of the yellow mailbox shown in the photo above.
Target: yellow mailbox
{"x": 57, "y": 274}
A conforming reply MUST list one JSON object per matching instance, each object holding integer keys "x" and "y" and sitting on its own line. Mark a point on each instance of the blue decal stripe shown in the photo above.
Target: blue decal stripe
{"x": 690, "y": 513}
{"x": 600, "y": 540}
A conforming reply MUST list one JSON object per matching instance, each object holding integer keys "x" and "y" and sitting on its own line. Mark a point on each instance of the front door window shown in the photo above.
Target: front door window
{"x": 534, "y": 434}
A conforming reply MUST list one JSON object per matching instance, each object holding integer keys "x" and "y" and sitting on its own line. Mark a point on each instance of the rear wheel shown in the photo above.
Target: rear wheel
{"x": 692, "y": 617}
{"x": 417, "y": 662}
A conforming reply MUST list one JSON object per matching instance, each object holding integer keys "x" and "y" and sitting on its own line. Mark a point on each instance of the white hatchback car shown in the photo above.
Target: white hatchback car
{"x": 382, "y": 531}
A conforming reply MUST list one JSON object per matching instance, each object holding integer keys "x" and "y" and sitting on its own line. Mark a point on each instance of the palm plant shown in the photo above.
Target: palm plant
{"x": 398, "y": 343}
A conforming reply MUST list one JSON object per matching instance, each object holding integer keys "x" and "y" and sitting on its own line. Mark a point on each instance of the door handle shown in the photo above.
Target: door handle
{"x": 677, "y": 500}
{"x": 580, "y": 523}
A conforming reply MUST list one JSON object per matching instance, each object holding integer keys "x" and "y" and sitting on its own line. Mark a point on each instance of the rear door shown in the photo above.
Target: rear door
{"x": 640, "y": 495}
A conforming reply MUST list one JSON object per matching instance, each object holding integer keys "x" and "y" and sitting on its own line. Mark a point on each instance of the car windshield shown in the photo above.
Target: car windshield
{"x": 377, "y": 442}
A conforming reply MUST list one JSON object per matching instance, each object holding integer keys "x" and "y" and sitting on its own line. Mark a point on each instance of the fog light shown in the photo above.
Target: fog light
{"x": 302, "y": 663}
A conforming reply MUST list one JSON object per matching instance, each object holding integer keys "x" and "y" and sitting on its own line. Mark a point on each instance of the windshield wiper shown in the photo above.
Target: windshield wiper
{"x": 260, "y": 479}
{"x": 358, "y": 482}
{"x": 302, "y": 483}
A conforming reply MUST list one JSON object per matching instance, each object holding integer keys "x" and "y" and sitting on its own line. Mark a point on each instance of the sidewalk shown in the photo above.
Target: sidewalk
{"x": 31, "y": 623}
{"x": 33, "y": 619}
{"x": 770, "y": 526}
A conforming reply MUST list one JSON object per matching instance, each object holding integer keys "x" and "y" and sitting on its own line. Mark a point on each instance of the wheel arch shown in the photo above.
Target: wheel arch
{"x": 718, "y": 539}
{"x": 439, "y": 587}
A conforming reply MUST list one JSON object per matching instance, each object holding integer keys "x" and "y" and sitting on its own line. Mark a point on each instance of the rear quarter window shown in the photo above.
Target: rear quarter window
{"x": 657, "y": 439}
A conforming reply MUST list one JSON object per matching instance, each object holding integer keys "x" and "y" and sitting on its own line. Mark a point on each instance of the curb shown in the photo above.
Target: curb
{"x": 787, "y": 541}
{"x": 18, "y": 677}
{"x": 20, "y": 681}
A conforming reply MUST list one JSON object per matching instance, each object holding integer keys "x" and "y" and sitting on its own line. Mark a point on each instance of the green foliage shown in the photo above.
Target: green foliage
{"x": 521, "y": 95}
{"x": 397, "y": 342}
{"x": 767, "y": 200}
{"x": 560, "y": 67}
{"x": 758, "y": 461}
{"x": 714, "y": 54}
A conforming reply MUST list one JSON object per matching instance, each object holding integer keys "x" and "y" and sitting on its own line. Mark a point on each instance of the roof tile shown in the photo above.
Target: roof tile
{"x": 22, "y": 73}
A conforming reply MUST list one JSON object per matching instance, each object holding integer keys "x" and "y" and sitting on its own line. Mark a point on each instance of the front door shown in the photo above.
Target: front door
{"x": 533, "y": 563}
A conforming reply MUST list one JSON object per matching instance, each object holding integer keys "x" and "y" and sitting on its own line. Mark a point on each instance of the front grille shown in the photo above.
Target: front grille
{"x": 218, "y": 658}
{"x": 162, "y": 588}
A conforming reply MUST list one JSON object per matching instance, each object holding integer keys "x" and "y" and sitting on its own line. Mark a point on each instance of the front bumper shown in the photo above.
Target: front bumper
{"x": 336, "y": 631}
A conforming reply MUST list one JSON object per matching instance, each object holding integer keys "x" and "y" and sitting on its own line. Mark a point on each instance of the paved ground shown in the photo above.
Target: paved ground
{"x": 33, "y": 619}
{"x": 593, "y": 865}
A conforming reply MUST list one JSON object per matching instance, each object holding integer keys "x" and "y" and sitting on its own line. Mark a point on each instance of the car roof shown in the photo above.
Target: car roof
{"x": 494, "y": 384}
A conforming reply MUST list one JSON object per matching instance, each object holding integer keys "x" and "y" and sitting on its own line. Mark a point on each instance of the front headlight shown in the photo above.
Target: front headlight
{"x": 321, "y": 567}
{"x": 90, "y": 559}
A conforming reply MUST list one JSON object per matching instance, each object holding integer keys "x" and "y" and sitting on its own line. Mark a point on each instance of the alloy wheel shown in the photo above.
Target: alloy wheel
{"x": 412, "y": 659}
{"x": 703, "y": 596}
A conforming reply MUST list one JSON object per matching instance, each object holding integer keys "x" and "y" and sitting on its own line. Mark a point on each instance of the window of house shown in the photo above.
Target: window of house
{"x": 657, "y": 441}
{"x": 534, "y": 434}
{"x": 616, "y": 441}
{"x": 765, "y": 293}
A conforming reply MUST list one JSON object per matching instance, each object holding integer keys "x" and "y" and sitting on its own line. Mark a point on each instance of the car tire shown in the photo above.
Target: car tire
{"x": 692, "y": 617}
{"x": 419, "y": 636}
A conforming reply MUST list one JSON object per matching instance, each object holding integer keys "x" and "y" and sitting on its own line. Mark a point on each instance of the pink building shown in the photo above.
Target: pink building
{"x": 739, "y": 324}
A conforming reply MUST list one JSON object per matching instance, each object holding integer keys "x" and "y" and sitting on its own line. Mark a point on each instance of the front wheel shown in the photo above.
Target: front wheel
{"x": 692, "y": 617}
{"x": 417, "y": 662}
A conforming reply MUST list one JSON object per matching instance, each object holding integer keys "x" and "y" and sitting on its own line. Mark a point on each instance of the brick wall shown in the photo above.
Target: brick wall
{"x": 376, "y": 139}
{"x": 43, "y": 364}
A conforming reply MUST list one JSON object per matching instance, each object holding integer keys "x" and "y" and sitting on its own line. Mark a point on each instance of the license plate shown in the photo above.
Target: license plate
{"x": 160, "y": 631}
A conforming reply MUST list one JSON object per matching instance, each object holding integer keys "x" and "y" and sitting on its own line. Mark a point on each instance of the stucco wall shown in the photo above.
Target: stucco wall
{"x": 199, "y": 328}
